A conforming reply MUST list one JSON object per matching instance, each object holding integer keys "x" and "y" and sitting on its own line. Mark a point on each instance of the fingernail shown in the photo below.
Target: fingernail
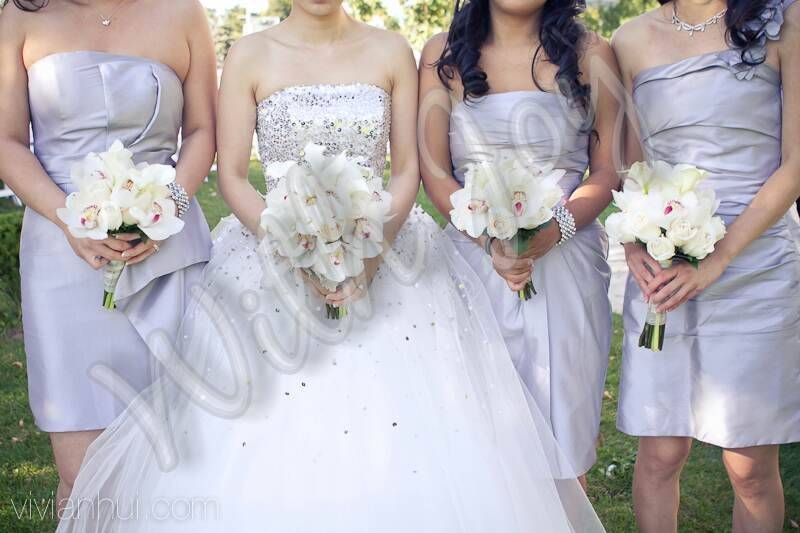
{"x": 124, "y": 254}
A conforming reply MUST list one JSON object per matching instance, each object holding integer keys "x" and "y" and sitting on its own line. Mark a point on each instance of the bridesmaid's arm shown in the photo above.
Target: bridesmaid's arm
{"x": 435, "y": 106}
{"x": 601, "y": 72}
{"x": 19, "y": 168}
{"x": 198, "y": 145}
{"x": 434, "y": 127}
{"x": 781, "y": 190}
{"x": 235, "y": 127}
{"x": 771, "y": 203}
{"x": 626, "y": 45}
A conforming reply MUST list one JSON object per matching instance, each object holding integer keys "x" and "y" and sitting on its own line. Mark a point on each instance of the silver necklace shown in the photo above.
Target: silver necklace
{"x": 680, "y": 25}
{"x": 106, "y": 20}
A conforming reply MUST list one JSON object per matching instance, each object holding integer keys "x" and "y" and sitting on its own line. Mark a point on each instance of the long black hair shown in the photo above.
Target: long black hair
{"x": 561, "y": 40}
{"x": 28, "y": 5}
{"x": 744, "y": 23}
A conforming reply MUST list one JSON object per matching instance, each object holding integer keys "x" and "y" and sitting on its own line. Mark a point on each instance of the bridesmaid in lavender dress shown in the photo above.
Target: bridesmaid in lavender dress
{"x": 474, "y": 110}
{"x": 730, "y": 371}
{"x": 80, "y": 99}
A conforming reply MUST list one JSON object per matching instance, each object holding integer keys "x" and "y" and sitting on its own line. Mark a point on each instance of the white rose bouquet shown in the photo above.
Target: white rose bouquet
{"x": 507, "y": 201}
{"x": 325, "y": 217}
{"x": 662, "y": 208}
{"x": 116, "y": 196}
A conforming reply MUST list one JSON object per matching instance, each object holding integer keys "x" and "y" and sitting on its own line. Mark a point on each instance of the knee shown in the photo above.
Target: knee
{"x": 66, "y": 478}
{"x": 662, "y": 462}
{"x": 752, "y": 480}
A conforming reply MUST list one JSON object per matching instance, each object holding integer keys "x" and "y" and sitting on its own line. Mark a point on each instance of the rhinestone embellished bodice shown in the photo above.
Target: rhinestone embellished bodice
{"x": 354, "y": 117}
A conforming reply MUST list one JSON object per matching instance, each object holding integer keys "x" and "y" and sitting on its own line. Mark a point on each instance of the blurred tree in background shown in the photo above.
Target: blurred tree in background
{"x": 417, "y": 20}
{"x": 279, "y": 8}
{"x": 606, "y": 18}
{"x": 227, "y": 29}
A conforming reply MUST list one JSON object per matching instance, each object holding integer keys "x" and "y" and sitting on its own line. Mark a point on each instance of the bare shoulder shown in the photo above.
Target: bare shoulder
{"x": 596, "y": 46}
{"x": 253, "y": 48}
{"x": 597, "y": 58}
{"x": 392, "y": 50}
{"x": 791, "y": 25}
{"x": 386, "y": 42}
{"x": 13, "y": 22}
{"x": 635, "y": 31}
{"x": 433, "y": 49}
{"x": 632, "y": 40}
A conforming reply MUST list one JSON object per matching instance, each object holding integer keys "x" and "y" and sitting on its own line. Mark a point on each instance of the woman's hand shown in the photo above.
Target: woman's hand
{"x": 544, "y": 241}
{"x": 140, "y": 250}
{"x": 351, "y": 290}
{"x": 315, "y": 284}
{"x": 97, "y": 254}
{"x": 515, "y": 270}
{"x": 681, "y": 282}
{"x": 643, "y": 267}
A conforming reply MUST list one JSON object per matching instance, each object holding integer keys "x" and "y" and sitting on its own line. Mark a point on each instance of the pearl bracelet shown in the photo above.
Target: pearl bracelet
{"x": 566, "y": 223}
{"x": 180, "y": 197}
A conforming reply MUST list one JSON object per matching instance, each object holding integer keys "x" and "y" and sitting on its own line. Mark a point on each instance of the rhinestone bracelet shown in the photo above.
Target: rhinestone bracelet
{"x": 566, "y": 223}
{"x": 180, "y": 197}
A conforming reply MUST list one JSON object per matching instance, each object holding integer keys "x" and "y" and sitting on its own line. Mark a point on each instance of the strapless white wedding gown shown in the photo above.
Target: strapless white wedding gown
{"x": 406, "y": 416}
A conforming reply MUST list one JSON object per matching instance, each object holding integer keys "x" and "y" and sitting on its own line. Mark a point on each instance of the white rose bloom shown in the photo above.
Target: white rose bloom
{"x": 681, "y": 231}
{"x": 642, "y": 225}
{"x": 661, "y": 249}
{"x": 502, "y": 224}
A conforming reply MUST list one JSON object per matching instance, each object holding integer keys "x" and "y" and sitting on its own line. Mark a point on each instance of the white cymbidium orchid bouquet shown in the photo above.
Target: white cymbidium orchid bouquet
{"x": 662, "y": 208}
{"x": 507, "y": 201}
{"x": 325, "y": 217}
{"x": 117, "y": 196}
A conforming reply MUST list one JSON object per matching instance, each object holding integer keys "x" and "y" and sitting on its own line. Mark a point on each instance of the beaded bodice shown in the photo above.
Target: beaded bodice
{"x": 355, "y": 118}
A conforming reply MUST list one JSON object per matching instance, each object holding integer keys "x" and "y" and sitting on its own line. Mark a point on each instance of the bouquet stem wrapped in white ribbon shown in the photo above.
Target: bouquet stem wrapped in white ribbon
{"x": 662, "y": 208}
{"x": 325, "y": 217}
{"x": 117, "y": 196}
{"x": 507, "y": 201}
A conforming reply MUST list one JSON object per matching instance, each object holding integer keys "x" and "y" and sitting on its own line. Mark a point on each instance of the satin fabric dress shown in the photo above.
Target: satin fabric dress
{"x": 405, "y": 416}
{"x": 560, "y": 338}
{"x": 81, "y": 102}
{"x": 729, "y": 374}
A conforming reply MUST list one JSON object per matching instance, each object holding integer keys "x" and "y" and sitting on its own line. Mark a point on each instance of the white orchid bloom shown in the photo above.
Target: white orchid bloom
{"x": 89, "y": 217}
{"x": 469, "y": 213}
{"x": 158, "y": 220}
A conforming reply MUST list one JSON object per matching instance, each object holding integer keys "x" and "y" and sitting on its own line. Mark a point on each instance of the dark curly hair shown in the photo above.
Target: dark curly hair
{"x": 28, "y": 5}
{"x": 561, "y": 38}
{"x": 743, "y": 20}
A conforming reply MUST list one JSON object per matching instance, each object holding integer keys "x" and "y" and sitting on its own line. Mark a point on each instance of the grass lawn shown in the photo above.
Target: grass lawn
{"x": 27, "y": 474}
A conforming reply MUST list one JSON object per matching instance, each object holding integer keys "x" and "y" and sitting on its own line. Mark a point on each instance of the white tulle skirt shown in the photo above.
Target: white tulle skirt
{"x": 407, "y": 415}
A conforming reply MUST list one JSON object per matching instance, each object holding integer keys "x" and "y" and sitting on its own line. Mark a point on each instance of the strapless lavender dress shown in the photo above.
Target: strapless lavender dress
{"x": 560, "y": 338}
{"x": 729, "y": 374}
{"x": 81, "y": 102}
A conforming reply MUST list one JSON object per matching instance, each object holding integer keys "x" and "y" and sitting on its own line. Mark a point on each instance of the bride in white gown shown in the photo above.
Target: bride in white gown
{"x": 405, "y": 416}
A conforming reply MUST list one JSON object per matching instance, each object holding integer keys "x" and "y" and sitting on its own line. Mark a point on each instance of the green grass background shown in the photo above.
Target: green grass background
{"x": 27, "y": 472}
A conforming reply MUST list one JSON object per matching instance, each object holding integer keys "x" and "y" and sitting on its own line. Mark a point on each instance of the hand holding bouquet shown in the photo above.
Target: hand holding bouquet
{"x": 325, "y": 217}
{"x": 116, "y": 196}
{"x": 507, "y": 201}
{"x": 662, "y": 208}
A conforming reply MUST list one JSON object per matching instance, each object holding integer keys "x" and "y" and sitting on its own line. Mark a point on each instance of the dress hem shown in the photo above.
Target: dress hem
{"x": 714, "y": 442}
